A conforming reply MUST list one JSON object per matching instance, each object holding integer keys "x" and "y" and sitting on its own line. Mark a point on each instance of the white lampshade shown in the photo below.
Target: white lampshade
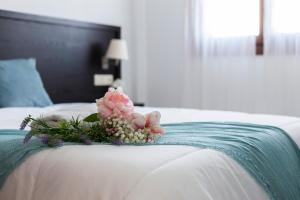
{"x": 117, "y": 50}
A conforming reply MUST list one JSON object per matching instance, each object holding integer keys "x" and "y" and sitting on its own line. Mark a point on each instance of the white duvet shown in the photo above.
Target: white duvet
{"x": 104, "y": 172}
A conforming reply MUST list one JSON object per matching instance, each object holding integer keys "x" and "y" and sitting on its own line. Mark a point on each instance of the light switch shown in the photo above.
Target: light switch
{"x": 103, "y": 79}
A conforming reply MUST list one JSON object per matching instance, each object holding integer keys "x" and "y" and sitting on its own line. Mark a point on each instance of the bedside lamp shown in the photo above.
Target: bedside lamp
{"x": 117, "y": 51}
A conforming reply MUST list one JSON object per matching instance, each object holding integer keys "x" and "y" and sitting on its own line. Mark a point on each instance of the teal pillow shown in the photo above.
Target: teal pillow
{"x": 21, "y": 84}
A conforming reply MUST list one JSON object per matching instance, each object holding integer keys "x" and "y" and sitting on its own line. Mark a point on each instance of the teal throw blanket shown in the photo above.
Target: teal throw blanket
{"x": 267, "y": 153}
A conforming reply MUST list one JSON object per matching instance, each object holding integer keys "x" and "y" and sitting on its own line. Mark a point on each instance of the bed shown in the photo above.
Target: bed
{"x": 155, "y": 172}
{"x": 96, "y": 172}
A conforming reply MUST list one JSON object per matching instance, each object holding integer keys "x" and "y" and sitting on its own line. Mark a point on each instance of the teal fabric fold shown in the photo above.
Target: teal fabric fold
{"x": 13, "y": 152}
{"x": 266, "y": 152}
{"x": 269, "y": 155}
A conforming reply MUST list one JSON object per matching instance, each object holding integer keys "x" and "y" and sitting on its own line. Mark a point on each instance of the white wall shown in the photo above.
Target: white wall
{"x": 140, "y": 38}
{"x": 110, "y": 12}
{"x": 165, "y": 34}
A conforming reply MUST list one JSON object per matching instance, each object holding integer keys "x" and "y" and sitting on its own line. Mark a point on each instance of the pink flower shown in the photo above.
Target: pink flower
{"x": 138, "y": 121}
{"x": 151, "y": 121}
{"x": 115, "y": 104}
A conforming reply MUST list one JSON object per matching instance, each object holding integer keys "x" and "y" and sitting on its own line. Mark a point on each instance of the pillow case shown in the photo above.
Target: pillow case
{"x": 21, "y": 84}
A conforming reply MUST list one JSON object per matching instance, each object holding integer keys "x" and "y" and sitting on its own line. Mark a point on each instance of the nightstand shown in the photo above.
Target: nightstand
{"x": 139, "y": 104}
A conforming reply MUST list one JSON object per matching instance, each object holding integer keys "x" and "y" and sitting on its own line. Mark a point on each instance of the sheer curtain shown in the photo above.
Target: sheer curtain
{"x": 282, "y": 27}
{"x": 220, "y": 46}
{"x": 225, "y": 28}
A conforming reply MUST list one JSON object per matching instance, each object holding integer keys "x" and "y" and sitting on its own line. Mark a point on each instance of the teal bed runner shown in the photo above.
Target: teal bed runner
{"x": 269, "y": 155}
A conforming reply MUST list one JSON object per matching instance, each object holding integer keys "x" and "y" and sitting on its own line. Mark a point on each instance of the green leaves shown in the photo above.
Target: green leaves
{"x": 64, "y": 124}
{"x": 92, "y": 118}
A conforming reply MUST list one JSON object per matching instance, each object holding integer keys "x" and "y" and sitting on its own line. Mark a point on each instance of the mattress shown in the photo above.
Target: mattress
{"x": 128, "y": 172}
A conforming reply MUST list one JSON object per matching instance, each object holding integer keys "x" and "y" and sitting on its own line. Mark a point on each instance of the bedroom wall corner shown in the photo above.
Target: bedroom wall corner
{"x": 139, "y": 17}
{"x": 163, "y": 28}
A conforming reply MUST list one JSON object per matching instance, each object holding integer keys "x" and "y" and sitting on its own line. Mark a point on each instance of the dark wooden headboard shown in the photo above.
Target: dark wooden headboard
{"x": 68, "y": 53}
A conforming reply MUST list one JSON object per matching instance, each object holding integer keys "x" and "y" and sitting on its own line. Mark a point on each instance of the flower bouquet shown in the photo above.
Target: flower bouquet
{"x": 115, "y": 123}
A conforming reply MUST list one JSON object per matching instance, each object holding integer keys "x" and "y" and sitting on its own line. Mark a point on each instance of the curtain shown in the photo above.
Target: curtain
{"x": 223, "y": 28}
{"x": 282, "y": 27}
{"x": 221, "y": 79}
{"x": 220, "y": 44}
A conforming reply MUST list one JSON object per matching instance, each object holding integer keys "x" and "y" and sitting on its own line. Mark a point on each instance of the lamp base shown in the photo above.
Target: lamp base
{"x": 105, "y": 64}
{"x": 117, "y": 83}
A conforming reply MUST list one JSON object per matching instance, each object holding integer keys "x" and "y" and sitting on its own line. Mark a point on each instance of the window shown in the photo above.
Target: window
{"x": 285, "y": 16}
{"x": 221, "y": 19}
{"x": 274, "y": 23}
{"x": 282, "y": 28}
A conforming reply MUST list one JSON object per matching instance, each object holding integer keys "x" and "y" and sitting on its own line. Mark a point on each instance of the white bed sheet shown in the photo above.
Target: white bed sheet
{"x": 150, "y": 172}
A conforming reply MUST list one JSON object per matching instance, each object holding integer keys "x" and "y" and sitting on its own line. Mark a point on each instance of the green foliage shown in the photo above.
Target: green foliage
{"x": 91, "y": 118}
{"x": 73, "y": 130}
{"x": 54, "y": 130}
